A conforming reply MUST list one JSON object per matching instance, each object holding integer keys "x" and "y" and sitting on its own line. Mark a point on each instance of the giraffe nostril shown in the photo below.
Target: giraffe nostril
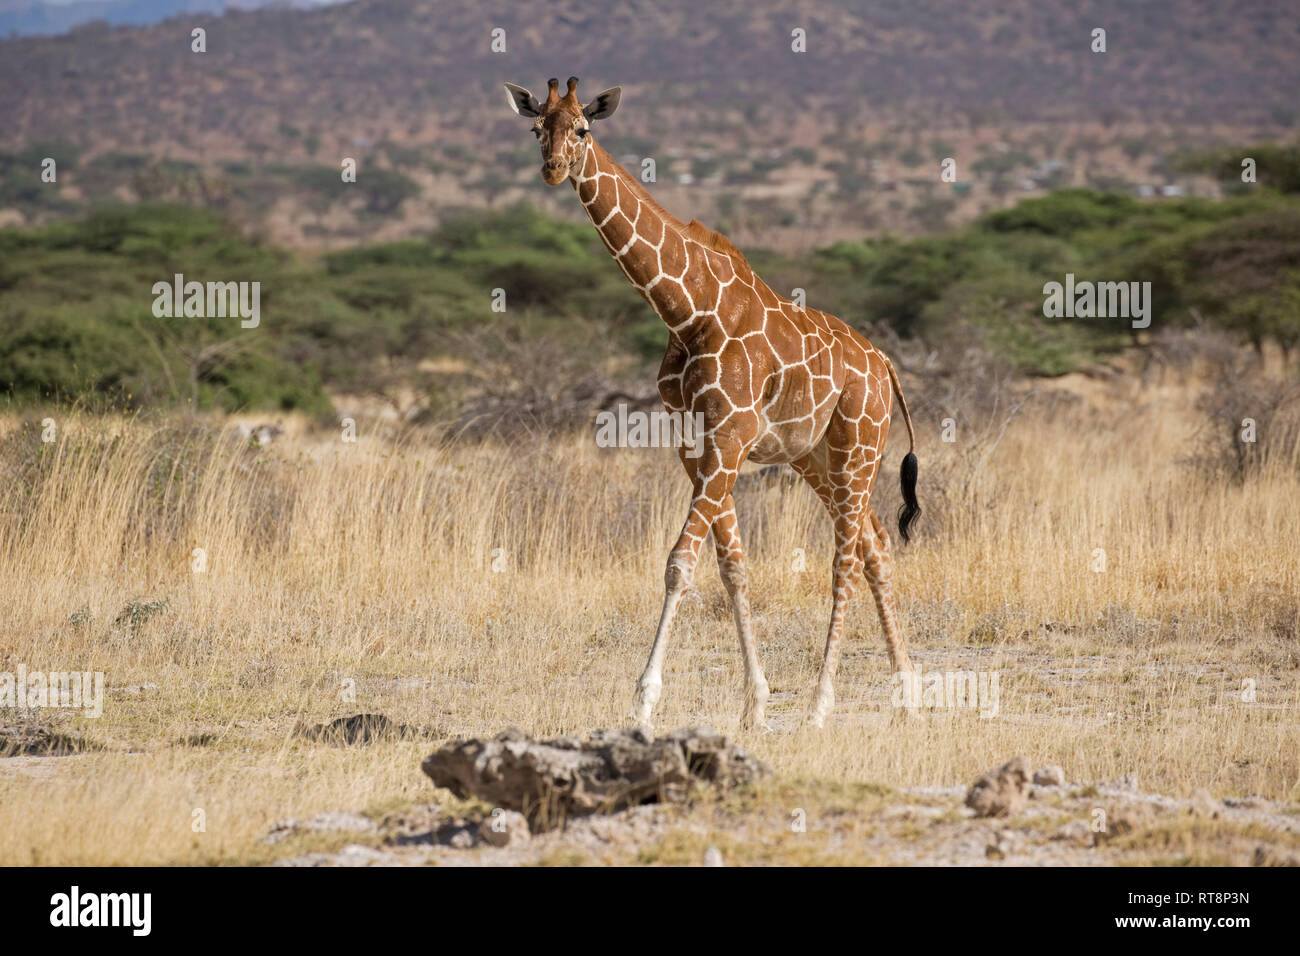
{"x": 553, "y": 173}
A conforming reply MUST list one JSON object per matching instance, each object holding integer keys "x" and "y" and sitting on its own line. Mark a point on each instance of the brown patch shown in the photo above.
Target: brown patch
{"x": 672, "y": 256}
{"x": 669, "y": 296}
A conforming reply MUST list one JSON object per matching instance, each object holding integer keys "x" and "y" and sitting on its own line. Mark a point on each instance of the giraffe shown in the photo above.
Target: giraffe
{"x": 775, "y": 382}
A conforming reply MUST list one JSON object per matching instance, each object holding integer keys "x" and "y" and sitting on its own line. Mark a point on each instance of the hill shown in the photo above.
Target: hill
{"x": 411, "y": 324}
{"x": 779, "y": 147}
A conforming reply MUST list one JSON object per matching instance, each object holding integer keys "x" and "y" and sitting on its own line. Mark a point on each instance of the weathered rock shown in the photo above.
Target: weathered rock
{"x": 359, "y": 729}
{"x": 1204, "y": 805}
{"x": 1077, "y": 833}
{"x": 1250, "y": 802}
{"x": 34, "y": 740}
{"x": 1003, "y": 844}
{"x": 1000, "y": 792}
{"x": 1274, "y": 856}
{"x": 1123, "y": 819}
{"x": 713, "y": 857}
{"x": 338, "y": 822}
{"x": 1050, "y": 776}
{"x": 505, "y": 828}
{"x": 550, "y": 780}
{"x": 1127, "y": 782}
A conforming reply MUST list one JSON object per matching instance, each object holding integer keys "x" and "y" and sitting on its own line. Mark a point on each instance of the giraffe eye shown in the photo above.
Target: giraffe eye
{"x": 582, "y": 132}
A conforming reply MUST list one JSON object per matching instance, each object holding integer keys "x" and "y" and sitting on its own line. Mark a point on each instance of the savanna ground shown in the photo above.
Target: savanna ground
{"x": 462, "y": 588}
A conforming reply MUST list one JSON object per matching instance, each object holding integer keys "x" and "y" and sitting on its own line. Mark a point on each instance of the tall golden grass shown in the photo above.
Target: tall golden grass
{"x": 465, "y": 588}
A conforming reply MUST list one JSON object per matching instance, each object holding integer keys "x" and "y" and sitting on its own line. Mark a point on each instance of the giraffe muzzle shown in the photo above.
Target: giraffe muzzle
{"x": 554, "y": 172}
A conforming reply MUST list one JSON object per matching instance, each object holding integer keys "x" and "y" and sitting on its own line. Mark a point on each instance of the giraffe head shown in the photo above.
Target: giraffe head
{"x": 562, "y": 124}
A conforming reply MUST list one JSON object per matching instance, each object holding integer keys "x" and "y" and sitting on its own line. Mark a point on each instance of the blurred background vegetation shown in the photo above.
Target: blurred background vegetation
{"x": 411, "y": 322}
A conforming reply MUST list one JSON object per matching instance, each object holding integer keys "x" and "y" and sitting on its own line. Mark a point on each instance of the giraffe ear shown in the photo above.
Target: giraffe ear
{"x": 603, "y": 106}
{"x": 522, "y": 102}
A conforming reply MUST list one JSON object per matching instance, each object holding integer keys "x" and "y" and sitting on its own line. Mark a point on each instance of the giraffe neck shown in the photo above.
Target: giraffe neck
{"x": 623, "y": 213}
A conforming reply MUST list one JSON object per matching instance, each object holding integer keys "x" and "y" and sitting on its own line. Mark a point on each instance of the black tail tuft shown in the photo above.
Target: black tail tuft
{"x": 910, "y": 510}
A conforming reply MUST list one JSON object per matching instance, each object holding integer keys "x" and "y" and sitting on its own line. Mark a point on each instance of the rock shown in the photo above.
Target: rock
{"x": 356, "y": 854}
{"x": 1250, "y": 802}
{"x": 503, "y": 828}
{"x": 1204, "y": 805}
{"x": 1125, "y": 819}
{"x": 359, "y": 729}
{"x": 1002, "y": 844}
{"x": 1128, "y": 782}
{"x": 338, "y": 822}
{"x": 1000, "y": 792}
{"x": 34, "y": 740}
{"x": 713, "y": 857}
{"x": 1274, "y": 856}
{"x": 550, "y": 780}
{"x": 1076, "y": 832}
{"x": 1050, "y": 776}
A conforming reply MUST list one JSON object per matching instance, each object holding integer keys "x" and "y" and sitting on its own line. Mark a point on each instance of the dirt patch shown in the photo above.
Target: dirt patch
{"x": 35, "y": 740}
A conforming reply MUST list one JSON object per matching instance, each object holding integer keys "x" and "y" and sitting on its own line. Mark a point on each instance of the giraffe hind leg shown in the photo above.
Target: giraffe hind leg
{"x": 872, "y": 557}
{"x": 877, "y": 562}
{"x": 731, "y": 565}
{"x": 813, "y": 469}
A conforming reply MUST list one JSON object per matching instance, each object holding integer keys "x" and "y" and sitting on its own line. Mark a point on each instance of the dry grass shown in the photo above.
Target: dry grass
{"x": 467, "y": 588}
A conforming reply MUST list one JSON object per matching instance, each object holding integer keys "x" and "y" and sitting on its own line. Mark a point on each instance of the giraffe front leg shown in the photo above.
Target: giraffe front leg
{"x": 678, "y": 577}
{"x": 731, "y": 565}
{"x": 712, "y": 477}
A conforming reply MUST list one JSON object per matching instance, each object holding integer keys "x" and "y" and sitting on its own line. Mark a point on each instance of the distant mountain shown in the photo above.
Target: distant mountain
{"x": 33, "y": 17}
{"x": 782, "y": 122}
{"x": 1172, "y": 60}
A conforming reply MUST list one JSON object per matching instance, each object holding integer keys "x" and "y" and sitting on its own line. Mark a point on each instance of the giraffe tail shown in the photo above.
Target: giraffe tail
{"x": 910, "y": 510}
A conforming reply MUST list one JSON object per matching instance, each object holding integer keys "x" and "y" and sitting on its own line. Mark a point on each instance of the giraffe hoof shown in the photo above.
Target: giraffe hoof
{"x": 815, "y": 720}
{"x": 640, "y": 718}
{"x": 822, "y": 704}
{"x": 646, "y": 698}
{"x": 756, "y": 722}
{"x": 753, "y": 715}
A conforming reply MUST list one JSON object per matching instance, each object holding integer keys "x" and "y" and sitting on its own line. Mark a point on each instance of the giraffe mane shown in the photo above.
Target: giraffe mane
{"x": 694, "y": 230}
{"x": 718, "y": 243}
